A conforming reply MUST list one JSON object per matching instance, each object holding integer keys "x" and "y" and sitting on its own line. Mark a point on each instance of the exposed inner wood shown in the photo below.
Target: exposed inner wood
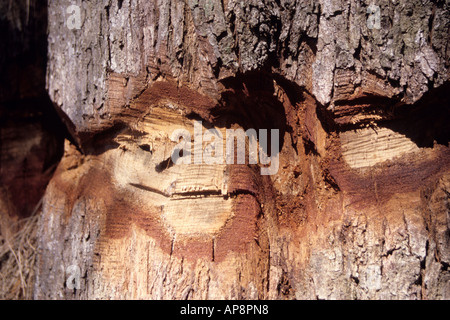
{"x": 156, "y": 214}
{"x": 363, "y": 148}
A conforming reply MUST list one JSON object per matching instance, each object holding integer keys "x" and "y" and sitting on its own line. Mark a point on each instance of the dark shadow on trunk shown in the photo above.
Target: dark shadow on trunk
{"x": 31, "y": 132}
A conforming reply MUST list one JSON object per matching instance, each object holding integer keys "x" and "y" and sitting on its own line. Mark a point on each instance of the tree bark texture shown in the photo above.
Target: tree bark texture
{"x": 359, "y": 208}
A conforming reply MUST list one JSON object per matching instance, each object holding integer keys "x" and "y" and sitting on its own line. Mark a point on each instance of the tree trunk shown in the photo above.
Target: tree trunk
{"x": 354, "y": 93}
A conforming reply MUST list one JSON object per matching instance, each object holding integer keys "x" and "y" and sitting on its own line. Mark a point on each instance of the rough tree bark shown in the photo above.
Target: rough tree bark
{"x": 359, "y": 208}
